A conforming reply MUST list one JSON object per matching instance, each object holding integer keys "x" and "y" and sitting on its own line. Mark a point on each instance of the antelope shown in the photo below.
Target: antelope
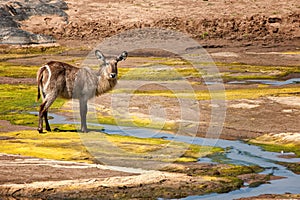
{"x": 61, "y": 79}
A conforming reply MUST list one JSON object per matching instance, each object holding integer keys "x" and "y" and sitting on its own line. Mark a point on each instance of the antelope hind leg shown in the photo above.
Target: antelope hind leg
{"x": 46, "y": 121}
{"x": 41, "y": 115}
{"x": 83, "y": 111}
{"x": 48, "y": 101}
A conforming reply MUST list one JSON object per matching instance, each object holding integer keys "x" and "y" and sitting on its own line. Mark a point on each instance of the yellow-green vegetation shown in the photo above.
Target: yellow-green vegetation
{"x": 59, "y": 146}
{"x": 169, "y": 61}
{"x": 17, "y": 71}
{"x": 30, "y": 51}
{"x": 235, "y": 170}
{"x": 20, "y": 118}
{"x": 160, "y": 69}
{"x": 4, "y": 57}
{"x": 217, "y": 170}
{"x": 254, "y": 93}
{"x": 294, "y": 167}
{"x": 183, "y": 152}
{"x": 18, "y": 100}
{"x": 240, "y": 71}
{"x": 67, "y": 145}
{"x": 229, "y": 94}
{"x": 277, "y": 144}
{"x": 158, "y": 73}
{"x": 173, "y": 62}
{"x": 168, "y": 69}
{"x": 138, "y": 122}
{"x": 118, "y": 147}
{"x": 147, "y": 73}
{"x": 278, "y": 147}
{"x": 231, "y": 76}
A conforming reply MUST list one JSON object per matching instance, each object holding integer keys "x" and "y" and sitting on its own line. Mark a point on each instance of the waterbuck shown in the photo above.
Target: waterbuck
{"x": 61, "y": 79}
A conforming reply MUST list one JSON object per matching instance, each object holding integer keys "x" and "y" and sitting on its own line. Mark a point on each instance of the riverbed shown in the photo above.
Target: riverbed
{"x": 237, "y": 152}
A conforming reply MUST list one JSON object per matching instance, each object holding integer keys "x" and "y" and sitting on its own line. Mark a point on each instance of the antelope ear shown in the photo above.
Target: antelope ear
{"x": 123, "y": 56}
{"x": 100, "y": 55}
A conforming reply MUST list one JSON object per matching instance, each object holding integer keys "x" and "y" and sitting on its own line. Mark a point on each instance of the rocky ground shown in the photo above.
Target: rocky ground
{"x": 14, "y": 12}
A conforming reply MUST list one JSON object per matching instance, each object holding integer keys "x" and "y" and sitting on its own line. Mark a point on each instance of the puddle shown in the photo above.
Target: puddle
{"x": 237, "y": 152}
{"x": 268, "y": 82}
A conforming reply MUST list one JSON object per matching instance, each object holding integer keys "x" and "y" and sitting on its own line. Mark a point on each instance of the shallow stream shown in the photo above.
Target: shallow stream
{"x": 268, "y": 82}
{"x": 237, "y": 152}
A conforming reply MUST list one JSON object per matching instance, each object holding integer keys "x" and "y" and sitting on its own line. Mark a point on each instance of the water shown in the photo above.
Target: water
{"x": 237, "y": 152}
{"x": 268, "y": 82}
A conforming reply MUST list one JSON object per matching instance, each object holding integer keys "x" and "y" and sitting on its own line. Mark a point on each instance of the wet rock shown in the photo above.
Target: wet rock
{"x": 13, "y": 12}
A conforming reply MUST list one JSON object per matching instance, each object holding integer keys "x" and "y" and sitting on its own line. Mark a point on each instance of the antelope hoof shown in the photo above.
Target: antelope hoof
{"x": 84, "y": 130}
{"x": 40, "y": 130}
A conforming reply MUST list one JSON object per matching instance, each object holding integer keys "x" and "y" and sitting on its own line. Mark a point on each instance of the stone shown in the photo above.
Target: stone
{"x": 274, "y": 19}
{"x": 12, "y": 13}
{"x": 18, "y": 36}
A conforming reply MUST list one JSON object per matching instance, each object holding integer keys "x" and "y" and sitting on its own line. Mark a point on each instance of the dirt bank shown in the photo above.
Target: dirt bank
{"x": 17, "y": 173}
{"x": 216, "y": 22}
{"x": 39, "y": 178}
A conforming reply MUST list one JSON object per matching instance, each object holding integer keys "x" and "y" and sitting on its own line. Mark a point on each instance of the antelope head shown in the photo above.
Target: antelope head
{"x": 109, "y": 68}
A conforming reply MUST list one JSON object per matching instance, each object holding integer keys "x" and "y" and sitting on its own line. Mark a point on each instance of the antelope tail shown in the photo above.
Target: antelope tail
{"x": 39, "y": 78}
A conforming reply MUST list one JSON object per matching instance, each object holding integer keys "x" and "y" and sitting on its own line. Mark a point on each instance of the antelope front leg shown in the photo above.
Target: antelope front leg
{"x": 83, "y": 111}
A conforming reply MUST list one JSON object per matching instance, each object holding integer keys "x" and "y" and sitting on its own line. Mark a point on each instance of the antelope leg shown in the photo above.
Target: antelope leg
{"x": 41, "y": 114}
{"x": 83, "y": 111}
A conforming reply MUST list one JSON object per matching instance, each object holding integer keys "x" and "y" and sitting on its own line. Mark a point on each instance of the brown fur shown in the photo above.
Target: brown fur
{"x": 39, "y": 81}
{"x": 61, "y": 79}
